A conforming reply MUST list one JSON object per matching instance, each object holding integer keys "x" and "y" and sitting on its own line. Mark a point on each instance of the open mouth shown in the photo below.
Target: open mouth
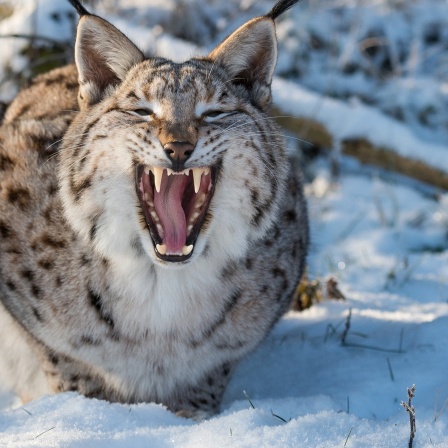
{"x": 175, "y": 206}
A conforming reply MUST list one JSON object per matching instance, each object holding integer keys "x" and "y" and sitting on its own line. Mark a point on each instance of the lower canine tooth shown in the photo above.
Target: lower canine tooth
{"x": 161, "y": 249}
{"x": 186, "y": 250}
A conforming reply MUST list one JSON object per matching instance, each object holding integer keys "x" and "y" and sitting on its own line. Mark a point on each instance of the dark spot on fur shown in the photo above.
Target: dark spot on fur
{"x": 88, "y": 340}
{"x": 58, "y": 281}
{"x": 27, "y": 274}
{"x": 85, "y": 260}
{"x": 11, "y": 286}
{"x": 259, "y": 214}
{"x": 226, "y": 369}
{"x": 48, "y": 213}
{"x": 6, "y": 163}
{"x": 99, "y": 137}
{"x": 206, "y": 250}
{"x": 93, "y": 229}
{"x": 96, "y": 301}
{"x": 13, "y": 250}
{"x": 5, "y": 230}
{"x": 194, "y": 404}
{"x": 115, "y": 336}
{"x": 37, "y": 314}
{"x": 290, "y": 215}
{"x": 277, "y": 272}
{"x": 229, "y": 271}
{"x": 254, "y": 195}
{"x": 78, "y": 189}
{"x": 20, "y": 197}
{"x": 47, "y": 240}
{"x": 37, "y": 292}
{"x": 52, "y": 189}
{"x": 137, "y": 246}
{"x": 46, "y": 264}
{"x": 222, "y": 96}
{"x": 249, "y": 263}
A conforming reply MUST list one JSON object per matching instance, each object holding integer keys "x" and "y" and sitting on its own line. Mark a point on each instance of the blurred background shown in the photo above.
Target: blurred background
{"x": 388, "y": 54}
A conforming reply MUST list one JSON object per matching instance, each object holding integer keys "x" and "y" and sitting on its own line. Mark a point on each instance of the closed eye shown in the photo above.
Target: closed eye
{"x": 143, "y": 112}
{"x": 216, "y": 114}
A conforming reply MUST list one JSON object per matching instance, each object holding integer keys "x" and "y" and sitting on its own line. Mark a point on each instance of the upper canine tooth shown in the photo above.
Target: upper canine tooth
{"x": 186, "y": 250}
{"x": 158, "y": 173}
{"x": 197, "y": 173}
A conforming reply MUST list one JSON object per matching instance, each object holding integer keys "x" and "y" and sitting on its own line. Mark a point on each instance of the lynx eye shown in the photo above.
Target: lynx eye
{"x": 211, "y": 114}
{"x": 143, "y": 112}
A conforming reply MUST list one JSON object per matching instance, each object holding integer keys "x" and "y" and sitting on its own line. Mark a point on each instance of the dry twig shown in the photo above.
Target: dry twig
{"x": 411, "y": 411}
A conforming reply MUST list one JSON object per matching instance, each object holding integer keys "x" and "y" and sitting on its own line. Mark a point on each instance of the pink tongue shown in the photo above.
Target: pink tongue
{"x": 168, "y": 205}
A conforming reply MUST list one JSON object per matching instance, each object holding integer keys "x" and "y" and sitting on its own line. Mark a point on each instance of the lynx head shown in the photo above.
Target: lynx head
{"x": 166, "y": 159}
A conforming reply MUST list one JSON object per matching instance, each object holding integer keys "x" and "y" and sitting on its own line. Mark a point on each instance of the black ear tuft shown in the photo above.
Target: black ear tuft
{"x": 79, "y": 8}
{"x": 280, "y": 7}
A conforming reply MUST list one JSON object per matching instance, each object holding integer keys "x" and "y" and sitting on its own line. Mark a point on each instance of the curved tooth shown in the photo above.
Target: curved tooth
{"x": 158, "y": 173}
{"x": 206, "y": 171}
{"x": 186, "y": 250}
{"x": 161, "y": 249}
{"x": 169, "y": 172}
{"x": 197, "y": 174}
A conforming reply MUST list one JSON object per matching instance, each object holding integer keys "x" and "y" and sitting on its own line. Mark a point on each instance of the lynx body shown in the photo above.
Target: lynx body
{"x": 150, "y": 231}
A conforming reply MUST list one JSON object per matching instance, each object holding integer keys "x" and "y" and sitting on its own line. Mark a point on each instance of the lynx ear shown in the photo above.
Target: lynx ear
{"x": 249, "y": 56}
{"x": 103, "y": 55}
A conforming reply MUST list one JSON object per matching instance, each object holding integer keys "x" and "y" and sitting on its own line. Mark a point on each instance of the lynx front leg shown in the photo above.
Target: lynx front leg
{"x": 203, "y": 400}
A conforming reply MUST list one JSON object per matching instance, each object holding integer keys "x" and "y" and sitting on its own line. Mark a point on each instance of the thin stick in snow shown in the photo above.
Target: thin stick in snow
{"x": 411, "y": 411}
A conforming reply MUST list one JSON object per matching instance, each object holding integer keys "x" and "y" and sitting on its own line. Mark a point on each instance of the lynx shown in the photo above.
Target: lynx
{"x": 151, "y": 231}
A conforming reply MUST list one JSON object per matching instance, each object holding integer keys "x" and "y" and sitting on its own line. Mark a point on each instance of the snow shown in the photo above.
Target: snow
{"x": 383, "y": 237}
{"x": 351, "y": 120}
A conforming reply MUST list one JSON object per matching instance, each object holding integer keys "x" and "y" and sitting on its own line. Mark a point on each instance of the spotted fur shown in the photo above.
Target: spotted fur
{"x": 86, "y": 302}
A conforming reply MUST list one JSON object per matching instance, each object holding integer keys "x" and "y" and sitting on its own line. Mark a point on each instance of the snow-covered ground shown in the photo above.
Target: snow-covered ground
{"x": 335, "y": 374}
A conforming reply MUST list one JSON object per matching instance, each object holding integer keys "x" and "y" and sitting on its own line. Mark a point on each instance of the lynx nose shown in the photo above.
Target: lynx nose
{"x": 178, "y": 153}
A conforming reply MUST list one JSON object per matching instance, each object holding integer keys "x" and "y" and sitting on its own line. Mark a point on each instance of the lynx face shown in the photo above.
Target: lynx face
{"x": 173, "y": 158}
